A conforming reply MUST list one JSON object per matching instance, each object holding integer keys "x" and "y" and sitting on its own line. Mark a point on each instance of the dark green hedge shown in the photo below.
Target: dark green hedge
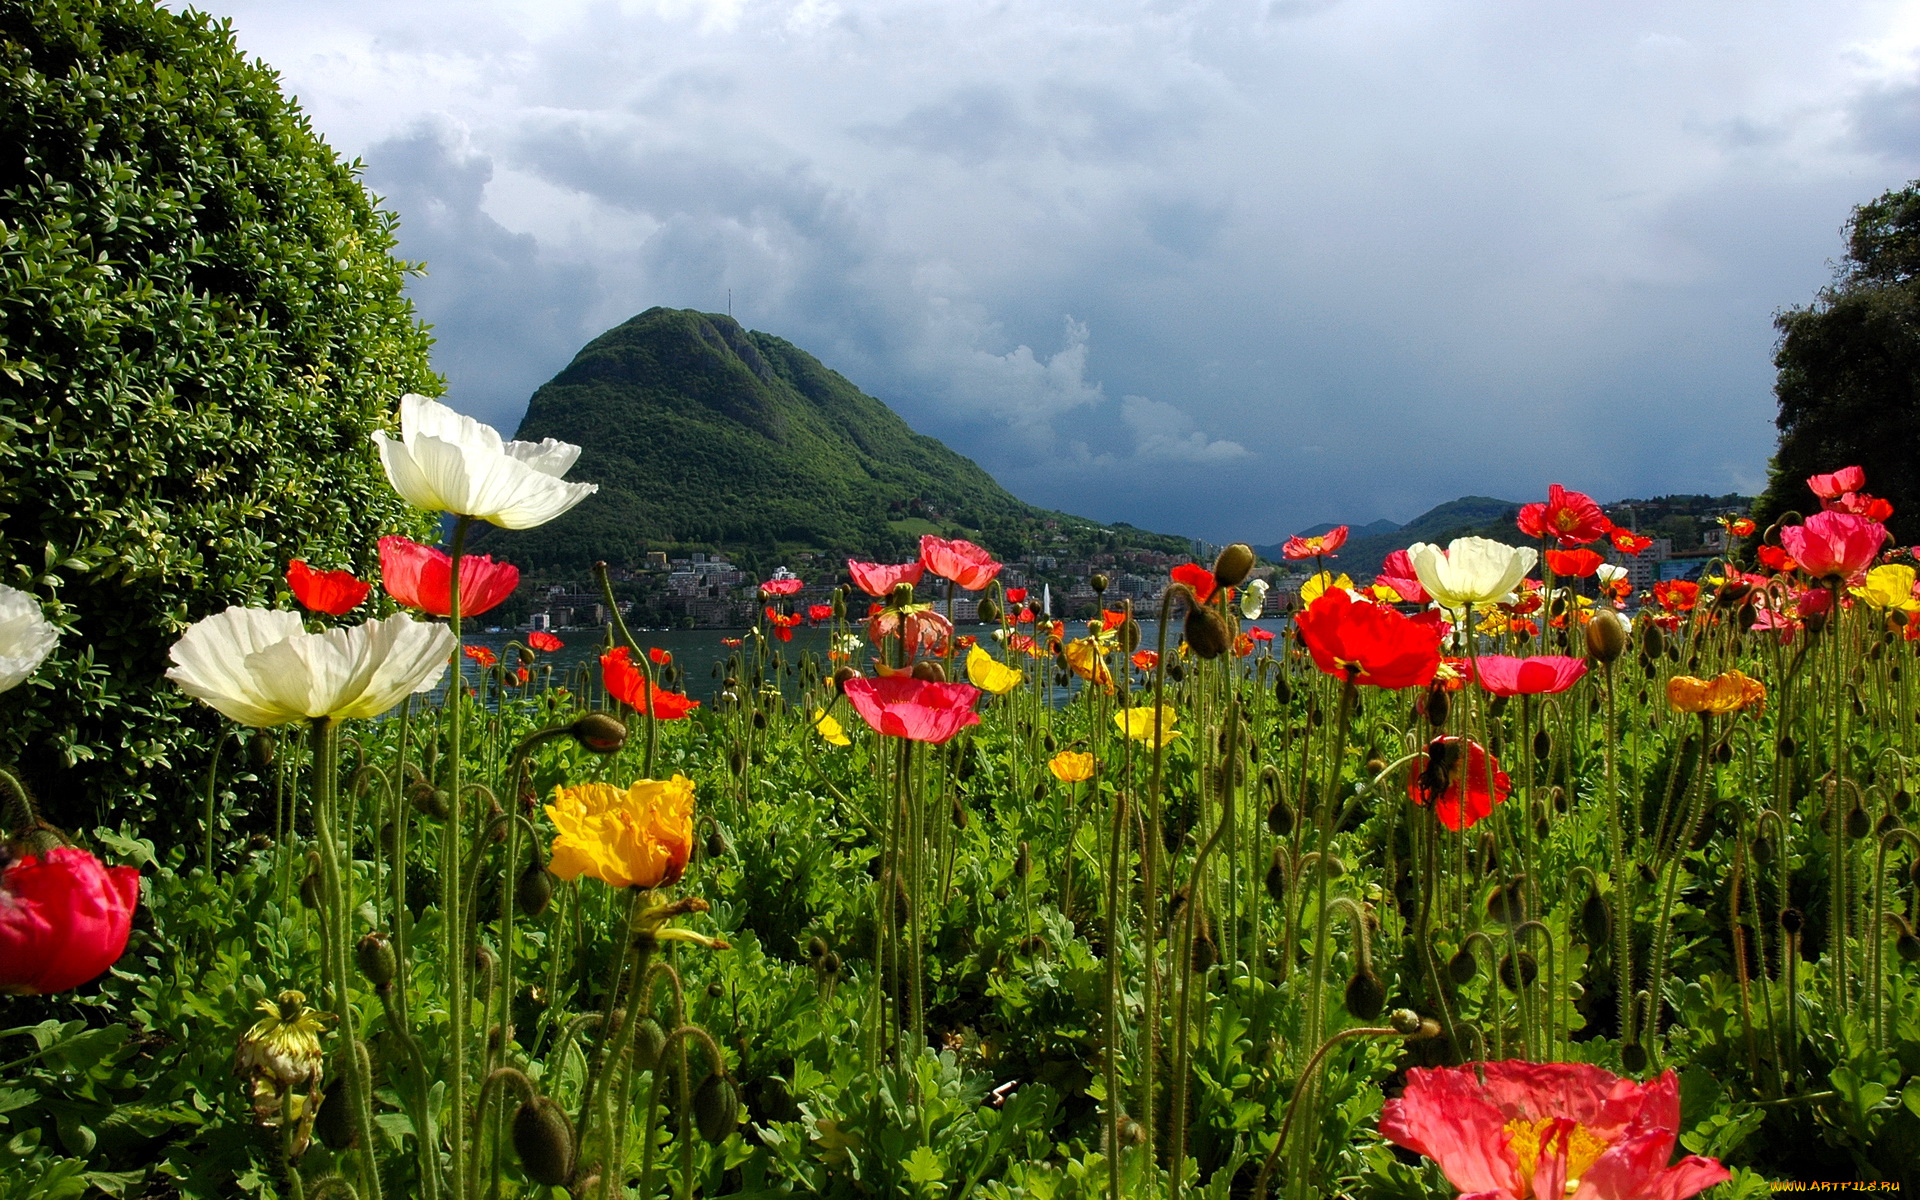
{"x": 200, "y": 321}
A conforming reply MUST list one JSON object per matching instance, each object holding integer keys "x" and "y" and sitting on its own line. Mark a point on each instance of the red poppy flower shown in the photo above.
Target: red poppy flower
{"x": 1738, "y": 526}
{"x": 963, "y": 562}
{"x": 781, "y": 587}
{"x": 1260, "y": 635}
{"x": 1242, "y": 646}
{"x": 422, "y": 577}
{"x": 626, "y": 683}
{"x": 1572, "y": 517}
{"x": 965, "y": 642}
{"x": 1626, "y": 541}
{"x": 1016, "y": 595}
{"x": 1318, "y": 546}
{"x": 1524, "y": 625}
{"x": 1026, "y": 617}
{"x": 1574, "y": 564}
{"x": 819, "y": 612}
{"x": 1111, "y": 620}
{"x": 877, "y": 579}
{"x": 1516, "y": 1130}
{"x": 331, "y": 592}
{"x": 729, "y": 641}
{"x": 1505, "y": 675}
{"x": 1860, "y": 504}
{"x": 916, "y": 709}
{"x": 481, "y": 654}
{"x": 1676, "y": 595}
{"x": 1457, "y": 784}
{"x": 1146, "y": 660}
{"x": 543, "y": 641}
{"x": 1370, "y": 643}
{"x": 659, "y": 657}
{"x": 64, "y": 919}
{"x": 521, "y": 674}
{"x": 1773, "y": 558}
{"x": 1397, "y": 572}
{"x": 1196, "y": 577}
{"x": 1838, "y": 484}
{"x": 1834, "y": 543}
{"x": 783, "y": 625}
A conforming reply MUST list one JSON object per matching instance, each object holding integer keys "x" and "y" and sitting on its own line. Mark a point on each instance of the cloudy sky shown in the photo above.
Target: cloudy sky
{"x": 1228, "y": 268}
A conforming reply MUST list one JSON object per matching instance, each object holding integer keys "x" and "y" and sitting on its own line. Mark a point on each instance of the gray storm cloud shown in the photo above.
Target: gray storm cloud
{"x": 1333, "y": 261}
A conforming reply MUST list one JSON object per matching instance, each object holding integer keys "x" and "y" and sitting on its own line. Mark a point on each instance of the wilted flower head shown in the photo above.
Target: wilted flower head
{"x": 279, "y": 1053}
{"x": 448, "y": 461}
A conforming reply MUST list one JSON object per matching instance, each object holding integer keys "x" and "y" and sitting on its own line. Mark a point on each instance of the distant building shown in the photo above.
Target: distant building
{"x": 657, "y": 560}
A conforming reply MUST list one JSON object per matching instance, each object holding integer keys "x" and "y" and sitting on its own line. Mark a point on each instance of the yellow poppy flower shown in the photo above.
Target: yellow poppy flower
{"x": 1139, "y": 724}
{"x": 989, "y": 674}
{"x": 1727, "y": 692}
{"x": 1070, "y": 767}
{"x": 1084, "y": 656}
{"x": 640, "y": 837}
{"x": 830, "y": 730}
{"x": 1889, "y": 587}
{"x": 1319, "y": 585}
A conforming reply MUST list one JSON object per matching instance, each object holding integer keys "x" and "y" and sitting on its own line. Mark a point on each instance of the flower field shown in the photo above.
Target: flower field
{"x": 1488, "y": 877}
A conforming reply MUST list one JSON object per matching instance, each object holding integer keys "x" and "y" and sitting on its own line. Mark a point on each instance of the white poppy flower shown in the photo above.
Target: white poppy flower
{"x": 1253, "y": 599}
{"x": 1608, "y": 573}
{"x": 448, "y": 461}
{"x": 26, "y": 636}
{"x": 261, "y": 667}
{"x": 1471, "y": 570}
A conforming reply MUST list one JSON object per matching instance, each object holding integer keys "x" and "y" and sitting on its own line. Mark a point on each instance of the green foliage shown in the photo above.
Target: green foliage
{"x": 700, "y": 432}
{"x": 1849, "y": 369}
{"x": 200, "y": 322}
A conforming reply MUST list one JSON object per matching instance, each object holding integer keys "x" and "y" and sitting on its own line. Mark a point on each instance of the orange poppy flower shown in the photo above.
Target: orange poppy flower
{"x": 480, "y": 654}
{"x": 1318, "y": 546}
{"x": 1727, "y": 692}
{"x": 543, "y": 641}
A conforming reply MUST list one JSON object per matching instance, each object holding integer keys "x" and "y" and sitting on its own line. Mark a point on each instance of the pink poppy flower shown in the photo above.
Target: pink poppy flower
{"x": 878, "y": 579}
{"x": 916, "y": 709}
{"x": 781, "y": 587}
{"x": 1834, "y": 544}
{"x": 919, "y": 628}
{"x": 1547, "y": 1129}
{"x": 963, "y": 562}
{"x": 1838, "y": 484}
{"x": 422, "y": 577}
{"x": 64, "y": 919}
{"x": 1397, "y": 573}
{"x": 1506, "y": 675}
{"x": 1319, "y": 545}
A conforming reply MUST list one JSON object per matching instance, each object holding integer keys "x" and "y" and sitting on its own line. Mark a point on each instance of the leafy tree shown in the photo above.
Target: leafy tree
{"x": 200, "y": 322}
{"x": 1849, "y": 369}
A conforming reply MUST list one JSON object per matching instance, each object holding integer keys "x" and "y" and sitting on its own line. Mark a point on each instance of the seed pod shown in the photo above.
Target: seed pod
{"x": 534, "y": 891}
{"x": 543, "y": 1138}
{"x": 930, "y": 671}
{"x": 1205, "y": 632}
{"x": 1462, "y": 967}
{"x": 1366, "y": 995}
{"x": 1233, "y": 564}
{"x": 599, "y": 733}
{"x": 1596, "y": 921}
{"x": 649, "y": 1041}
{"x": 1518, "y": 970}
{"x": 374, "y": 953}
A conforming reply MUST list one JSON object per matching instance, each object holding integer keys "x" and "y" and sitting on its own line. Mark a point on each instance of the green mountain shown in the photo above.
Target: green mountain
{"x": 1368, "y": 544}
{"x": 702, "y": 434}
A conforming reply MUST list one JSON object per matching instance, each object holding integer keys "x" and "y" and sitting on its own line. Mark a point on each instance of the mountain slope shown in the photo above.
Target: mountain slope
{"x": 1368, "y": 544}
{"x": 702, "y": 433}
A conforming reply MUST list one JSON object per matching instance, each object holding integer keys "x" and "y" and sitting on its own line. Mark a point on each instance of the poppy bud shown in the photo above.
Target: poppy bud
{"x": 960, "y": 815}
{"x": 1132, "y": 1132}
{"x": 830, "y": 965}
{"x": 716, "y": 1110}
{"x": 839, "y": 603}
{"x": 1633, "y": 1058}
{"x": 1405, "y": 1022}
{"x": 599, "y": 733}
{"x": 1437, "y": 706}
{"x": 376, "y": 958}
{"x": 333, "y": 1123}
{"x": 543, "y": 1138}
{"x": 716, "y": 845}
{"x": 930, "y": 671}
{"x": 1462, "y": 967}
{"x": 1098, "y": 582}
{"x": 1596, "y": 922}
{"x": 1023, "y": 862}
{"x": 1542, "y": 744}
{"x": 1206, "y": 955}
{"x": 649, "y": 1042}
{"x": 1176, "y": 670}
{"x": 260, "y": 748}
{"x": 1792, "y": 920}
{"x": 760, "y": 716}
{"x": 1859, "y": 824}
{"x": 1277, "y": 877}
{"x": 1902, "y": 799}
{"x": 1280, "y": 819}
{"x": 1906, "y": 945}
{"x": 1497, "y": 706}
{"x": 1366, "y": 996}
{"x": 1655, "y": 641}
{"x": 1606, "y": 636}
{"x": 989, "y": 610}
{"x": 433, "y": 802}
{"x": 1519, "y": 970}
{"x": 1129, "y": 635}
{"x": 1814, "y": 621}
{"x": 1205, "y": 632}
{"x": 1335, "y": 868}
{"x": 1233, "y": 564}
{"x": 840, "y": 677}
{"x": 310, "y": 886}
{"x": 1282, "y": 690}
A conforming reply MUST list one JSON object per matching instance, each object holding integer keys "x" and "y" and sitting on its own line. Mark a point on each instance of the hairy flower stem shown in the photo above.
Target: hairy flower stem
{"x": 1621, "y": 870}
{"x": 1664, "y": 926}
{"x": 337, "y": 891}
{"x": 1151, "y": 846}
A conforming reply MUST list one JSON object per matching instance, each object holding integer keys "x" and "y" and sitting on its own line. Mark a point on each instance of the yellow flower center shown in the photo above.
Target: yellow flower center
{"x": 1531, "y": 1140}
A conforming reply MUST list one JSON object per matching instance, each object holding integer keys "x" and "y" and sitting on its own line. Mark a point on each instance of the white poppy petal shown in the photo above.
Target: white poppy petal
{"x": 26, "y": 636}
{"x": 549, "y": 457}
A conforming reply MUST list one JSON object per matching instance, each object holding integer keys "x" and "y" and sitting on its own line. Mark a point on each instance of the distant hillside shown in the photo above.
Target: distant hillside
{"x": 702, "y": 434}
{"x": 1681, "y": 518}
